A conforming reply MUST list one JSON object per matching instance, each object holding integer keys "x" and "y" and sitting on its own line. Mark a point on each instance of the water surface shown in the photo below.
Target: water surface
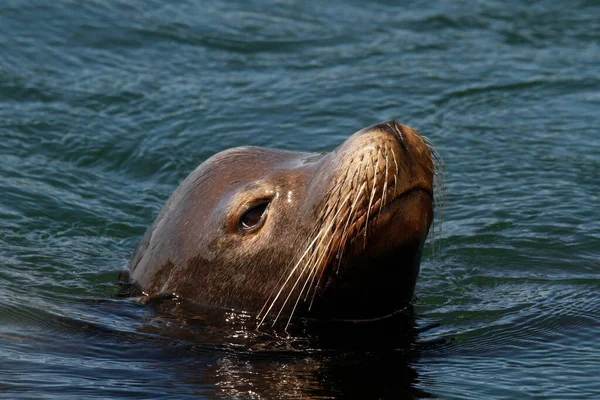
{"x": 106, "y": 106}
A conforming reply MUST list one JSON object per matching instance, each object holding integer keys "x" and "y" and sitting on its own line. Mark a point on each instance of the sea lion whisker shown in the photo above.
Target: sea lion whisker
{"x": 281, "y": 278}
{"x": 323, "y": 234}
{"x": 309, "y": 265}
{"x": 385, "y": 182}
{"x": 395, "y": 175}
{"x": 345, "y": 230}
{"x": 312, "y": 263}
{"x": 285, "y": 283}
{"x": 342, "y": 241}
{"x": 311, "y": 274}
{"x": 320, "y": 271}
{"x": 427, "y": 141}
{"x": 313, "y": 249}
{"x": 334, "y": 218}
{"x": 373, "y": 191}
{"x": 439, "y": 188}
{"x": 342, "y": 217}
{"x": 314, "y": 267}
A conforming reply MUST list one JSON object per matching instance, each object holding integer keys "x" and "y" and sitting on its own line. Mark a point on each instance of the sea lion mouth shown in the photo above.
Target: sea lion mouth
{"x": 378, "y": 212}
{"x": 427, "y": 190}
{"x": 396, "y": 200}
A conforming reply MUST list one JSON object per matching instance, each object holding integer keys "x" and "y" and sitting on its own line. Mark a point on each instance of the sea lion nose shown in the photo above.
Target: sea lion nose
{"x": 393, "y": 128}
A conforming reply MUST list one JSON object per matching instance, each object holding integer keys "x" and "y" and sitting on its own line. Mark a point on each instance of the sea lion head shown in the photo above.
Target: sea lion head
{"x": 278, "y": 233}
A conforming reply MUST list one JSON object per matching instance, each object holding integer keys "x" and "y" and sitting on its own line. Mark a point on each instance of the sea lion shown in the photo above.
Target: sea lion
{"x": 279, "y": 233}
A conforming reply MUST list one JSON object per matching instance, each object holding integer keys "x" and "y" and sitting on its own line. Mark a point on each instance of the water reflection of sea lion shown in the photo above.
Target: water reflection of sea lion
{"x": 279, "y": 233}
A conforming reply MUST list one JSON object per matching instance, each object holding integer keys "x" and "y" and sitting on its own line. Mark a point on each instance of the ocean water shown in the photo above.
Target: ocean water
{"x": 105, "y": 106}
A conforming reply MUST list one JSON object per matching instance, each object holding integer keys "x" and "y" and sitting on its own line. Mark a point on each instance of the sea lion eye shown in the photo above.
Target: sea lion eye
{"x": 254, "y": 216}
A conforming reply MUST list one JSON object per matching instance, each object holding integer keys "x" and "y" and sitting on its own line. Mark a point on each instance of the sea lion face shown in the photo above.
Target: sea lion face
{"x": 272, "y": 232}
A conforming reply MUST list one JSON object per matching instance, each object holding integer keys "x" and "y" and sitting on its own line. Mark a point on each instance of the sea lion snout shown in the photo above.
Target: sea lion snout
{"x": 375, "y": 210}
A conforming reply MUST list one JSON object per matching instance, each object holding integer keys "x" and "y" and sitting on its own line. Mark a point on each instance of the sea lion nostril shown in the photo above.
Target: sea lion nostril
{"x": 395, "y": 129}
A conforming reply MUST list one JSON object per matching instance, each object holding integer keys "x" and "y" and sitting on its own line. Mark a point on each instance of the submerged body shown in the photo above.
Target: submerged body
{"x": 272, "y": 232}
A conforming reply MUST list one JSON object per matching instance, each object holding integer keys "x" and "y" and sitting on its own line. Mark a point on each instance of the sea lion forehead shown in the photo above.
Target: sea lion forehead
{"x": 260, "y": 157}
{"x": 239, "y": 167}
{"x": 237, "y": 178}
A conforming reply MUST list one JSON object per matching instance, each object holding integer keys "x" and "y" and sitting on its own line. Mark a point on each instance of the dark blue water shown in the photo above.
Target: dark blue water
{"x": 106, "y": 106}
